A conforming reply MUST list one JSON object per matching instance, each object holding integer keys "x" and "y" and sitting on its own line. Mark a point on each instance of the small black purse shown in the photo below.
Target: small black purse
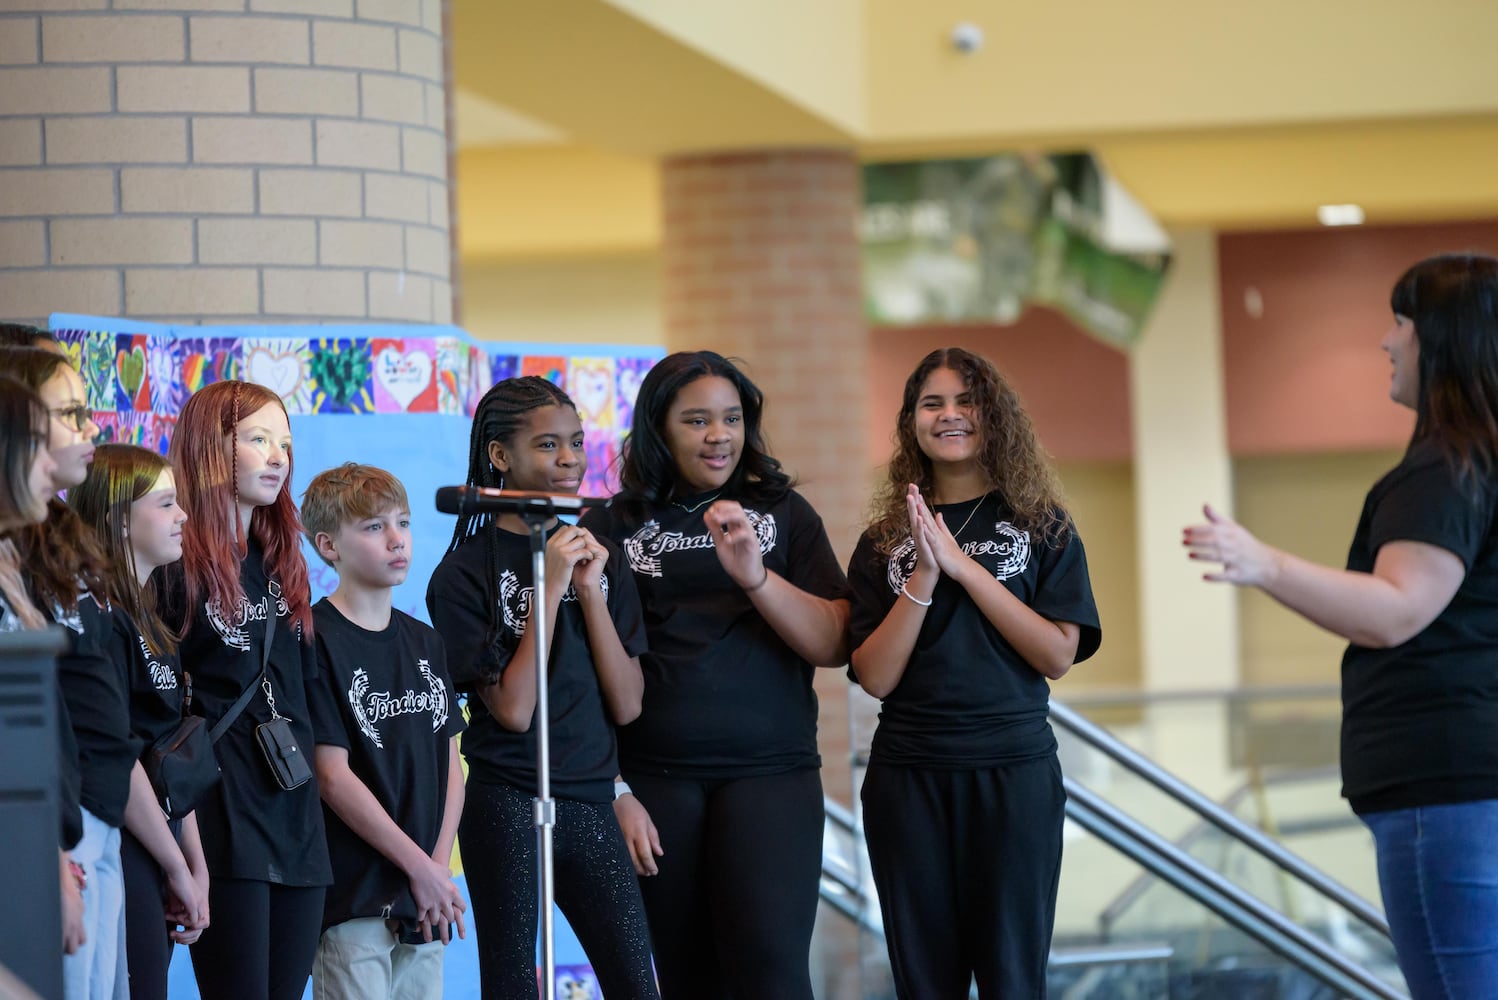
{"x": 181, "y": 765}
{"x": 287, "y": 763}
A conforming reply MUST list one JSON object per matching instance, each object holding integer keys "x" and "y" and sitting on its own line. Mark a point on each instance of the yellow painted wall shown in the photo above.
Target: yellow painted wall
{"x": 592, "y": 300}
{"x": 1309, "y": 505}
{"x": 811, "y": 53}
{"x": 534, "y": 202}
{"x": 1101, "y": 68}
{"x": 1101, "y": 496}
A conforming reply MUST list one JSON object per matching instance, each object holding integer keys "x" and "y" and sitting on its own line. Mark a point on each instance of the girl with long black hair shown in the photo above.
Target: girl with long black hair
{"x": 743, "y": 598}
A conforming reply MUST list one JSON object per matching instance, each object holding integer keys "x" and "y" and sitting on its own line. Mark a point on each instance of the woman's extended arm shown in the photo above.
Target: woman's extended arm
{"x": 1411, "y": 582}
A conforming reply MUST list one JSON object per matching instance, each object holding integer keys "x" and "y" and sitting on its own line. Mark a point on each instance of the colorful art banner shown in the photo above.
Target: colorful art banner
{"x": 400, "y": 397}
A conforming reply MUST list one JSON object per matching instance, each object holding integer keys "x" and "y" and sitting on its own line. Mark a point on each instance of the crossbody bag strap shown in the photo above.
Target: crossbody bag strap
{"x": 249, "y": 692}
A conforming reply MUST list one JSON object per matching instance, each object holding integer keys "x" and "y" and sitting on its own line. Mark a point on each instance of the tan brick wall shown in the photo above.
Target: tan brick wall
{"x": 201, "y": 160}
{"x": 760, "y": 261}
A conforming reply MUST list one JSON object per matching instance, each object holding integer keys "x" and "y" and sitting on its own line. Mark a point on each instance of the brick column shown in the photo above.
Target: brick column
{"x": 760, "y": 261}
{"x": 224, "y": 160}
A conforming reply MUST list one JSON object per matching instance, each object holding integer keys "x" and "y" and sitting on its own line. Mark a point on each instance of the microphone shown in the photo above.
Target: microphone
{"x": 468, "y": 500}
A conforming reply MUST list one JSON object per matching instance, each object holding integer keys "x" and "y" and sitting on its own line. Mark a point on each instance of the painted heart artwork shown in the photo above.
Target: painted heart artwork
{"x": 206, "y": 360}
{"x": 452, "y": 374}
{"x": 629, "y": 372}
{"x": 590, "y": 383}
{"x": 163, "y": 365}
{"x": 553, "y": 368}
{"x": 131, "y": 374}
{"x": 282, "y": 366}
{"x": 404, "y": 375}
{"x": 341, "y": 375}
{"x": 602, "y": 477}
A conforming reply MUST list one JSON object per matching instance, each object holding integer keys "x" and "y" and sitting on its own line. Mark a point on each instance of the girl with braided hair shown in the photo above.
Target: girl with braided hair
{"x": 527, "y": 436}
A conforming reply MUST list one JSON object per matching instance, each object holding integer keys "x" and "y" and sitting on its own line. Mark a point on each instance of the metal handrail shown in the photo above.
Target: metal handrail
{"x": 1137, "y": 888}
{"x": 1255, "y": 839}
{"x": 1258, "y": 920}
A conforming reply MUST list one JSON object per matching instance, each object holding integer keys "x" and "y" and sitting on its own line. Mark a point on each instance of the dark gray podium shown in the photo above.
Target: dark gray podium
{"x": 31, "y": 915}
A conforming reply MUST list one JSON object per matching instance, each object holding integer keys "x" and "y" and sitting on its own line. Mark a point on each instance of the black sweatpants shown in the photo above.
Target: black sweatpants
{"x": 732, "y": 910}
{"x": 260, "y": 940}
{"x": 595, "y": 886}
{"x": 966, "y": 864}
{"x": 148, "y": 943}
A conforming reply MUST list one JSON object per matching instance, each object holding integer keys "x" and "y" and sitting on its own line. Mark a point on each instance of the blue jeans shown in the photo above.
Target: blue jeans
{"x": 1438, "y": 870}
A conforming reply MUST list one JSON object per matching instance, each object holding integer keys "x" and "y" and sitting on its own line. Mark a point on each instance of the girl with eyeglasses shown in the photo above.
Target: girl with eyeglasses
{"x": 67, "y": 575}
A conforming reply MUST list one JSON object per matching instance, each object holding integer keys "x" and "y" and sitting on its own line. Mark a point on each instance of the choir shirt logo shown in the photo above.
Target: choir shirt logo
{"x": 163, "y": 677}
{"x": 1010, "y": 545}
{"x": 649, "y": 543}
{"x": 515, "y": 600}
{"x": 71, "y": 619}
{"x": 233, "y": 631}
{"x": 370, "y": 708}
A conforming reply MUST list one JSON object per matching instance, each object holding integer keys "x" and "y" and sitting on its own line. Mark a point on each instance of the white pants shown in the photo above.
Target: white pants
{"x": 97, "y": 970}
{"x": 362, "y": 960}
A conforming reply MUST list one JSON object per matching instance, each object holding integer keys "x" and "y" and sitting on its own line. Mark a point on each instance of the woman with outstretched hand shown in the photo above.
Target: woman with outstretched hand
{"x": 1418, "y": 604}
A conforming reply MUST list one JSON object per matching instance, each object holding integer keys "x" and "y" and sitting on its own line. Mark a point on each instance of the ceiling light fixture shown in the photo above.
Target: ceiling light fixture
{"x": 1340, "y": 215}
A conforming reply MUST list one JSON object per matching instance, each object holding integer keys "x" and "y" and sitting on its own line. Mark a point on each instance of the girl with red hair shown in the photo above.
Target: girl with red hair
{"x": 243, "y": 583}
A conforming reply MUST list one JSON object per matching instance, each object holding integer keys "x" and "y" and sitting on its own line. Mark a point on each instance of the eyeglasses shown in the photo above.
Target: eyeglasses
{"x": 76, "y": 416}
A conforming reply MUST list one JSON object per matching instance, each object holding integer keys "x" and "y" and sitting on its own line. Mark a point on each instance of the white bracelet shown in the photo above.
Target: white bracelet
{"x": 924, "y": 604}
{"x": 621, "y": 788}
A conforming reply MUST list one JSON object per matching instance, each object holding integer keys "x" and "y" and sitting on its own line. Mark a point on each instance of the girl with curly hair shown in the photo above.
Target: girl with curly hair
{"x": 243, "y": 582}
{"x": 970, "y": 592}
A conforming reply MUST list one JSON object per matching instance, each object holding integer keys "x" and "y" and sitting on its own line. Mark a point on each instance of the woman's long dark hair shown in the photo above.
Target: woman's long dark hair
{"x": 648, "y": 474}
{"x": 499, "y": 417}
{"x": 61, "y": 557}
{"x": 1452, "y": 300}
{"x": 23, "y": 423}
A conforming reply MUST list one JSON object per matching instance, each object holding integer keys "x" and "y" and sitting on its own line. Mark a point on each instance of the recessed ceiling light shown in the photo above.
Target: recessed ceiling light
{"x": 1340, "y": 215}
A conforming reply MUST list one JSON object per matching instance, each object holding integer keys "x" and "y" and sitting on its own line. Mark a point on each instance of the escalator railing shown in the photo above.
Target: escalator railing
{"x": 1204, "y": 916}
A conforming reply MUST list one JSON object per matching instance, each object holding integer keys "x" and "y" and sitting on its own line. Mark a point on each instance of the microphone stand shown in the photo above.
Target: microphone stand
{"x": 535, "y": 509}
{"x": 543, "y": 807}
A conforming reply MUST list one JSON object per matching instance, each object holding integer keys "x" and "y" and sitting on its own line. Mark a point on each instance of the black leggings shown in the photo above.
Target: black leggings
{"x": 260, "y": 940}
{"x": 966, "y": 864}
{"x": 148, "y": 944}
{"x": 733, "y": 907}
{"x": 595, "y": 885}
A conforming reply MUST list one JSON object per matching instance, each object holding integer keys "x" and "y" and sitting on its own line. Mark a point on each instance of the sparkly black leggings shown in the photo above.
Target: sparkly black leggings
{"x": 595, "y": 882}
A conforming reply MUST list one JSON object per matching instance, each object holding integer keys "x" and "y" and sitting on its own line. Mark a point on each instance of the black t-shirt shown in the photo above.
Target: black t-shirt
{"x": 70, "y": 818}
{"x": 724, "y": 695}
{"x": 584, "y": 759}
{"x": 1420, "y": 720}
{"x": 967, "y": 699}
{"x": 252, "y": 828}
{"x": 385, "y": 698}
{"x": 98, "y": 698}
{"x": 154, "y": 680}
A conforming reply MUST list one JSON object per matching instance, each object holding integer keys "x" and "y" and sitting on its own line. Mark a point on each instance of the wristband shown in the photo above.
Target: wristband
{"x": 907, "y": 593}
{"x": 621, "y": 788}
{"x": 762, "y": 581}
{"x": 80, "y": 877}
